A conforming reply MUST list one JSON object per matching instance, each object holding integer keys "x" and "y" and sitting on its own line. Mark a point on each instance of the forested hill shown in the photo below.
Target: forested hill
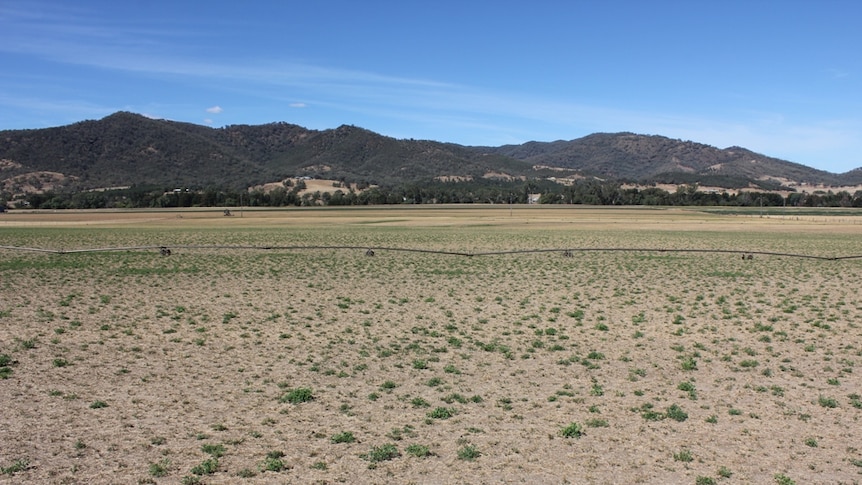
{"x": 126, "y": 149}
{"x": 629, "y": 156}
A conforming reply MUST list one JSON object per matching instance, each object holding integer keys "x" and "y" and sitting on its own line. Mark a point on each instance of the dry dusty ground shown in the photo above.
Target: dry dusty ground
{"x": 677, "y": 367}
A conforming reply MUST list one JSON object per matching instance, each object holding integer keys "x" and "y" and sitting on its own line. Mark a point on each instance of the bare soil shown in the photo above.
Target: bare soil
{"x": 678, "y": 367}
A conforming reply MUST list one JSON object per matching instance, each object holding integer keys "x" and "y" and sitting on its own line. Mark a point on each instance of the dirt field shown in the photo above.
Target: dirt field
{"x": 629, "y": 362}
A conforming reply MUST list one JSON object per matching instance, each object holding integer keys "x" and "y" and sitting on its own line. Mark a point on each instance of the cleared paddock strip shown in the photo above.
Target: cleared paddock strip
{"x": 371, "y": 249}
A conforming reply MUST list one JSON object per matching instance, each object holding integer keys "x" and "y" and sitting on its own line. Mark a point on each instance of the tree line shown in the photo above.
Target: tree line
{"x": 587, "y": 192}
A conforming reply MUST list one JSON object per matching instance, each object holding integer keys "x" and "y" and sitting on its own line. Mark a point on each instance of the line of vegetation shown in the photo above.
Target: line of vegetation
{"x": 587, "y": 192}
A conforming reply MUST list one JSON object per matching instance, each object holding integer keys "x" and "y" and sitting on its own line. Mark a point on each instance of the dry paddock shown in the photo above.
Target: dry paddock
{"x": 125, "y": 366}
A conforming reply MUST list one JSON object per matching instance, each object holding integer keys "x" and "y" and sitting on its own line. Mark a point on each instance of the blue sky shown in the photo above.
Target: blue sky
{"x": 783, "y": 78}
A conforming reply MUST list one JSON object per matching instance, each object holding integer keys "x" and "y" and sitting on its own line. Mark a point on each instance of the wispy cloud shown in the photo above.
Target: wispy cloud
{"x": 445, "y": 110}
{"x": 89, "y": 42}
{"x": 838, "y": 73}
{"x": 64, "y": 31}
{"x": 79, "y": 37}
{"x": 72, "y": 110}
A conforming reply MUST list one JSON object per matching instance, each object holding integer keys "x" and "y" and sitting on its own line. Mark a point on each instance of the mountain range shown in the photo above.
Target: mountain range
{"x": 127, "y": 149}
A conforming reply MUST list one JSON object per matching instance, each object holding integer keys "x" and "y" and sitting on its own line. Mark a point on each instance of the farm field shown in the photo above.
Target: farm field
{"x": 270, "y": 348}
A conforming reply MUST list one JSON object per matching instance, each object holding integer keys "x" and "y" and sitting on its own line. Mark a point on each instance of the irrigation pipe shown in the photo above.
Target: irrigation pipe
{"x": 371, "y": 249}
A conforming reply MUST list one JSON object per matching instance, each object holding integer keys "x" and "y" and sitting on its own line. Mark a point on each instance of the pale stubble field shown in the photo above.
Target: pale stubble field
{"x": 289, "y": 365}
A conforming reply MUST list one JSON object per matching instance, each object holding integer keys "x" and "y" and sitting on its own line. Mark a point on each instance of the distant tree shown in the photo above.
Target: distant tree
{"x": 278, "y": 197}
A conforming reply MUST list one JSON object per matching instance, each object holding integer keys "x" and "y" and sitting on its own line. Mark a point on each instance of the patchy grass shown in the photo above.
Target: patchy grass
{"x": 210, "y": 357}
